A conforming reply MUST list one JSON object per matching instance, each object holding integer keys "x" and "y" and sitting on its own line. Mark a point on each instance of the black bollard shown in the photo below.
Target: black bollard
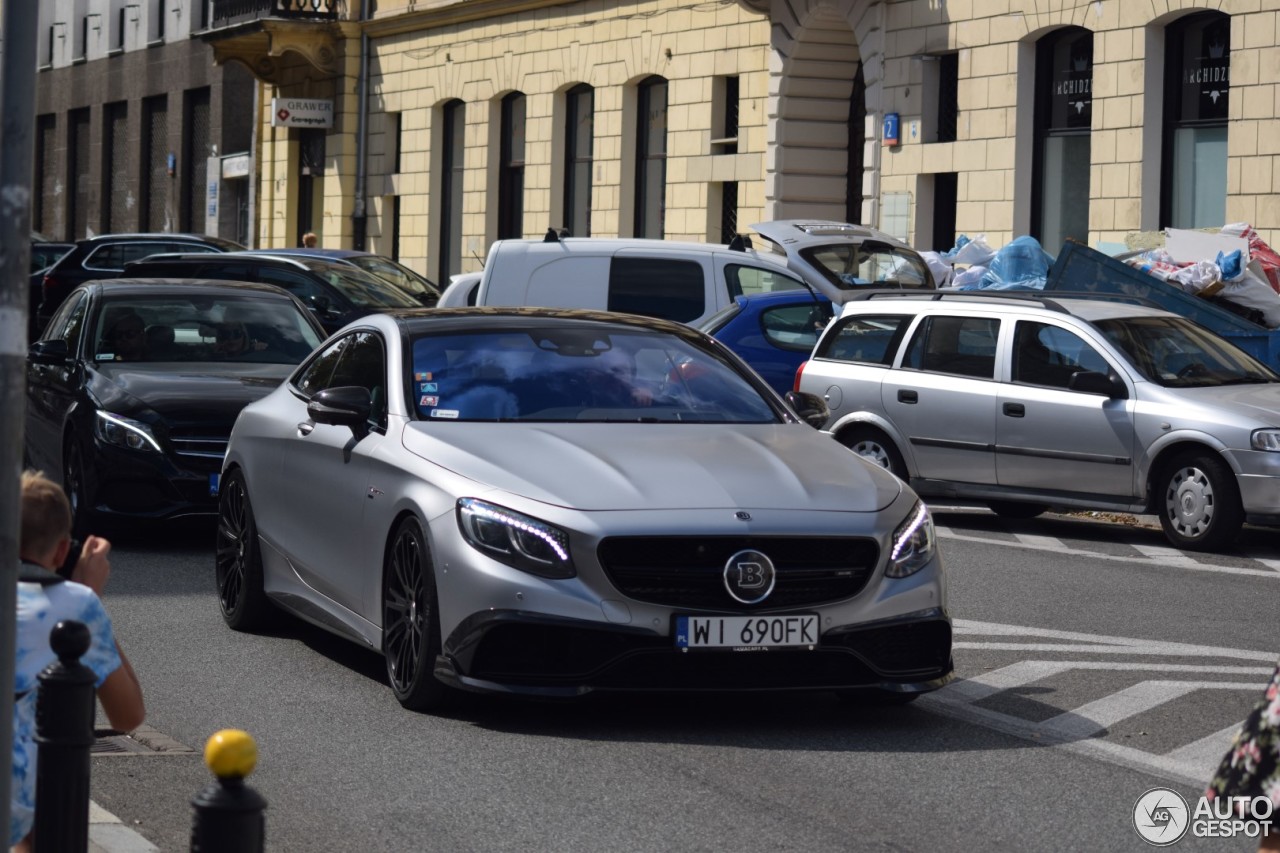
{"x": 229, "y": 815}
{"x": 64, "y": 734}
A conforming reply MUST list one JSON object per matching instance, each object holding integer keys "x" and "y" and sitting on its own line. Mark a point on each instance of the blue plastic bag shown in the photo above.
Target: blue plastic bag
{"x": 1020, "y": 265}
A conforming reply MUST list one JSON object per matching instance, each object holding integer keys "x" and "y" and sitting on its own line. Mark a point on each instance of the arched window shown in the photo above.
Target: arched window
{"x": 453, "y": 137}
{"x": 651, "y": 158}
{"x": 511, "y": 168}
{"x": 1197, "y": 78}
{"x": 1063, "y": 116}
{"x": 578, "y": 152}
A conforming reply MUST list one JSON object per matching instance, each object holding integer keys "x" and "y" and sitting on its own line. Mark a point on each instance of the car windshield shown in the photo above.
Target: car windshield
{"x": 1176, "y": 353}
{"x": 557, "y": 372}
{"x": 401, "y": 276}
{"x": 870, "y": 263}
{"x": 360, "y": 288}
{"x": 202, "y": 328}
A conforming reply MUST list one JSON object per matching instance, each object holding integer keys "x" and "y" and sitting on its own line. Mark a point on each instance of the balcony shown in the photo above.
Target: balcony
{"x": 228, "y": 13}
{"x": 270, "y": 36}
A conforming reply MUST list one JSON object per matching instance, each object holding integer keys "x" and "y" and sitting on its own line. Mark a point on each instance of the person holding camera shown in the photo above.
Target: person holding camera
{"x": 45, "y": 598}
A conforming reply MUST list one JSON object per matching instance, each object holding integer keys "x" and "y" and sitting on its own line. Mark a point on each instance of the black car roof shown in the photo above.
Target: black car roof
{"x": 209, "y": 286}
{"x": 228, "y": 257}
{"x": 154, "y": 235}
{"x": 413, "y": 320}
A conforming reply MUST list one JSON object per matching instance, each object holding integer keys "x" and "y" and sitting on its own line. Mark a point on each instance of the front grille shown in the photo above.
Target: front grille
{"x": 688, "y": 571}
{"x": 199, "y": 445}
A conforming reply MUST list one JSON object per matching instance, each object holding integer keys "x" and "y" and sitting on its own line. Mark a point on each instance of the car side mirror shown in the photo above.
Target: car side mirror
{"x": 347, "y": 405}
{"x": 1093, "y": 382}
{"x": 320, "y": 304}
{"x": 55, "y": 352}
{"x": 811, "y": 408}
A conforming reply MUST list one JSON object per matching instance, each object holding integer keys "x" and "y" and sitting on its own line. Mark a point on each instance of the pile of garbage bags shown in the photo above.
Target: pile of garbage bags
{"x": 1238, "y": 267}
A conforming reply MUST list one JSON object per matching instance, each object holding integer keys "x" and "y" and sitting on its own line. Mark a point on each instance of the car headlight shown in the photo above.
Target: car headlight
{"x": 1266, "y": 439}
{"x": 518, "y": 540}
{"x": 125, "y": 432}
{"x": 914, "y": 543}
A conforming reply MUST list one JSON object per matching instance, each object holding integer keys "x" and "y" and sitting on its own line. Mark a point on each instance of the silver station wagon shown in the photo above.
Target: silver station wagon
{"x": 1025, "y": 402}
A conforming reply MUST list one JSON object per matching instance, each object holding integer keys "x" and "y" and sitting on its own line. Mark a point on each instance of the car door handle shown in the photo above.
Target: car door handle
{"x": 1015, "y": 410}
{"x": 905, "y": 396}
{"x": 305, "y": 428}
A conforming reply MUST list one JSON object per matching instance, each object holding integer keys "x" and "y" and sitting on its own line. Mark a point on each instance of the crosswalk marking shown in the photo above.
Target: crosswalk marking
{"x": 1096, "y": 717}
{"x": 1207, "y": 751}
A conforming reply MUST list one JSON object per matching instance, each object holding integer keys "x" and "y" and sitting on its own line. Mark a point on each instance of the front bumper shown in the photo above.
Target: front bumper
{"x": 130, "y": 484}
{"x": 517, "y": 652}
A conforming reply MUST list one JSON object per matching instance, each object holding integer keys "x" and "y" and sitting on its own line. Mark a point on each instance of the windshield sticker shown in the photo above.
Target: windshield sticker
{"x": 428, "y": 387}
{"x": 451, "y": 414}
{"x": 428, "y": 402}
{"x": 422, "y": 377}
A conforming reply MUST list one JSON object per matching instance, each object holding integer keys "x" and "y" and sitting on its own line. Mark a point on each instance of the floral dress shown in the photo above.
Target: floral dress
{"x": 1249, "y": 768}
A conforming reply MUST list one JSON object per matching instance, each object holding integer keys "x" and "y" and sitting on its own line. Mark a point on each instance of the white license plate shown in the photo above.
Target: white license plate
{"x": 797, "y": 630}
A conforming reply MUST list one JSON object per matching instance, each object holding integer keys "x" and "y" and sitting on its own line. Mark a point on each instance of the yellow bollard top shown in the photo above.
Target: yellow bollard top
{"x": 231, "y": 754}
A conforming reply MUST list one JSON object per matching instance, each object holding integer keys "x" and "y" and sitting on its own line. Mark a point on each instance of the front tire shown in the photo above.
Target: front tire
{"x": 1200, "y": 507}
{"x": 75, "y": 484}
{"x": 875, "y": 446}
{"x": 411, "y": 620}
{"x": 238, "y": 560}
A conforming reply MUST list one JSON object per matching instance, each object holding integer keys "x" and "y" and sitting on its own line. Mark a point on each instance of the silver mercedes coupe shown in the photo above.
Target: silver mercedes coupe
{"x": 551, "y": 502}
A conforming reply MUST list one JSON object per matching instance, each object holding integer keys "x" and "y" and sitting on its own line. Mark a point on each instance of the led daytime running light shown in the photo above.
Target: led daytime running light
{"x": 907, "y": 532}
{"x": 519, "y": 523}
{"x": 133, "y": 427}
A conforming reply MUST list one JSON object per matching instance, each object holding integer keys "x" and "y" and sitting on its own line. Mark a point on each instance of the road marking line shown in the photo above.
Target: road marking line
{"x": 1270, "y": 564}
{"x": 1064, "y": 549}
{"x": 1044, "y": 543}
{"x": 987, "y": 684}
{"x": 1207, "y": 751}
{"x": 1146, "y": 647}
{"x": 1168, "y": 556}
{"x": 1095, "y": 717}
{"x": 1153, "y": 649}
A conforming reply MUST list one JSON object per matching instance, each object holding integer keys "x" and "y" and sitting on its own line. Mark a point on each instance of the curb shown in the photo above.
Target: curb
{"x": 107, "y": 834}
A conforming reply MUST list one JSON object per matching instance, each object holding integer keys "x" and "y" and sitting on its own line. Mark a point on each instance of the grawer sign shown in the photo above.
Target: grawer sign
{"x": 301, "y": 112}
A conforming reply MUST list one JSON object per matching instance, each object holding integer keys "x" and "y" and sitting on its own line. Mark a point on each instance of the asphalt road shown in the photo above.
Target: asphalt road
{"x": 1095, "y": 664}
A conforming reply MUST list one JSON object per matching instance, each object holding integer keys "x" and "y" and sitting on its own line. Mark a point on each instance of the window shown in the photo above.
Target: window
{"x": 724, "y": 103}
{"x": 198, "y": 137}
{"x": 964, "y": 346}
{"x": 157, "y": 20}
{"x": 79, "y": 173}
{"x": 1063, "y": 117}
{"x": 655, "y": 287}
{"x": 511, "y": 168}
{"x": 115, "y": 183}
{"x": 312, "y": 294}
{"x": 579, "y": 150}
{"x": 744, "y": 280}
{"x": 450, "y": 213}
{"x": 44, "y": 216}
{"x": 315, "y": 376}
{"x": 1197, "y": 87}
{"x": 155, "y": 214}
{"x": 948, "y": 96}
{"x": 68, "y": 322}
{"x": 395, "y": 137}
{"x": 728, "y": 193}
{"x": 1050, "y": 356}
{"x": 795, "y": 327}
{"x": 867, "y": 339}
{"x": 363, "y": 365}
{"x": 857, "y": 131}
{"x": 651, "y": 159}
{"x": 114, "y": 256}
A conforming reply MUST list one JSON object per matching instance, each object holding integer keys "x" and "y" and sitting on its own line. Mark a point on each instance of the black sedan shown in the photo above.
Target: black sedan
{"x": 134, "y": 386}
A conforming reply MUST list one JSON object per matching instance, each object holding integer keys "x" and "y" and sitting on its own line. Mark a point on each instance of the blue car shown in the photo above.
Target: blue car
{"x": 419, "y": 287}
{"x": 772, "y": 332}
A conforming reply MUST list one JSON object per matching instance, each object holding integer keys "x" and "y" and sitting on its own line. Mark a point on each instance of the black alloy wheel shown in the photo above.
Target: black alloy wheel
{"x": 411, "y": 620}
{"x": 238, "y": 561}
{"x": 75, "y": 484}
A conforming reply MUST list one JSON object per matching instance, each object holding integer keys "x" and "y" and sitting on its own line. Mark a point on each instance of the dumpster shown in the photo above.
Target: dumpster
{"x": 1084, "y": 271}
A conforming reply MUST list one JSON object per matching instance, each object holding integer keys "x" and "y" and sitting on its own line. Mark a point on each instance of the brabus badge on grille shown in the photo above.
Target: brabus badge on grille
{"x": 742, "y": 515}
{"x": 749, "y": 576}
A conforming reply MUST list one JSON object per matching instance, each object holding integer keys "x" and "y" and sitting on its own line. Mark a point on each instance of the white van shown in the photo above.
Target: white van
{"x": 688, "y": 282}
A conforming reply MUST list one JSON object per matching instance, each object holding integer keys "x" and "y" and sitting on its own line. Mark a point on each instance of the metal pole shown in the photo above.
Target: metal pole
{"x": 17, "y": 115}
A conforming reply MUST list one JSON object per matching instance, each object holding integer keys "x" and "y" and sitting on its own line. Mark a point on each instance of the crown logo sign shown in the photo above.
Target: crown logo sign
{"x": 1217, "y": 49}
{"x": 1080, "y": 63}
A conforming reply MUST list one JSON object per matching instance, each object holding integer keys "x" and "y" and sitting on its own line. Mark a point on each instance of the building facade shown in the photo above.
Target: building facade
{"x": 446, "y": 125}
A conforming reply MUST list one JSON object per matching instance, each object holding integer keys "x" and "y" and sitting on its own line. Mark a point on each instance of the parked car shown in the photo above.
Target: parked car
{"x": 840, "y": 258}
{"x": 105, "y": 257}
{"x": 44, "y": 253}
{"x": 549, "y": 502}
{"x": 336, "y": 292}
{"x": 1026, "y": 403}
{"x": 460, "y": 292}
{"x": 773, "y": 332}
{"x": 419, "y": 287}
{"x": 133, "y": 389}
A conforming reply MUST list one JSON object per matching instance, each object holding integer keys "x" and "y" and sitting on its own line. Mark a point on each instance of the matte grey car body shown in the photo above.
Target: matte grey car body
{"x": 440, "y": 486}
{"x": 1028, "y": 403}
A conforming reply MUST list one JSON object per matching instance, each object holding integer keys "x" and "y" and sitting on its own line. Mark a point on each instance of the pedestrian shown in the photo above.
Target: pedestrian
{"x": 45, "y": 598}
{"x": 1250, "y": 767}
{"x": 310, "y": 240}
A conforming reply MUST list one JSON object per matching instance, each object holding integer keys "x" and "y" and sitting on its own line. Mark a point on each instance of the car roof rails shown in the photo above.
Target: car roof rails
{"x": 740, "y": 243}
{"x": 963, "y": 296}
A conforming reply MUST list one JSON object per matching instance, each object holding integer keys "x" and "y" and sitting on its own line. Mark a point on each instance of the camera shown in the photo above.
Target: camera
{"x": 73, "y": 557}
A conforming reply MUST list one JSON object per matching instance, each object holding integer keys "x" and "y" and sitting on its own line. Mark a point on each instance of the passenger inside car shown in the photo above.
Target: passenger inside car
{"x": 124, "y": 337}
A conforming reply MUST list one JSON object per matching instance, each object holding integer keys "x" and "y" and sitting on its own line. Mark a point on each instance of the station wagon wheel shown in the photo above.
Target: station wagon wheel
{"x": 410, "y": 620}
{"x": 875, "y": 446}
{"x": 1199, "y": 502}
{"x": 237, "y": 560}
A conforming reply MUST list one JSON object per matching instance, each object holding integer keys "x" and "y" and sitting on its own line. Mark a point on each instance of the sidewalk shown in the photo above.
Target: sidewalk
{"x": 108, "y": 835}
